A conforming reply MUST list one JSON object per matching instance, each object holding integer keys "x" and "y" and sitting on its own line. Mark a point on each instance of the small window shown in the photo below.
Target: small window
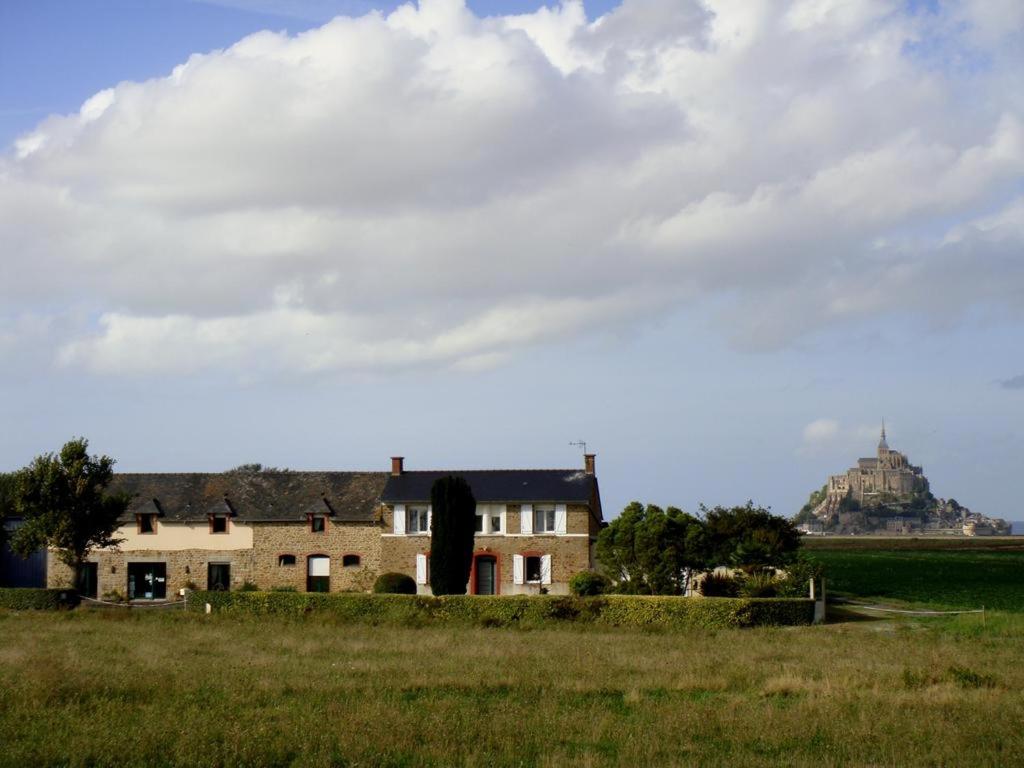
{"x": 488, "y": 520}
{"x": 318, "y": 523}
{"x": 284, "y": 560}
{"x": 544, "y": 519}
{"x": 417, "y": 520}
{"x": 350, "y": 561}
{"x": 219, "y": 524}
{"x": 533, "y": 569}
{"x": 147, "y": 523}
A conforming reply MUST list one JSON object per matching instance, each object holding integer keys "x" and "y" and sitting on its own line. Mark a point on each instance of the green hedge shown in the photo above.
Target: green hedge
{"x": 24, "y": 598}
{"x": 612, "y": 610}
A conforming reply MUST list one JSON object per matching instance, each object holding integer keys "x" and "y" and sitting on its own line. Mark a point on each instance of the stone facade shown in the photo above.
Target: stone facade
{"x": 271, "y": 540}
{"x": 292, "y": 529}
{"x": 570, "y": 552}
{"x": 184, "y": 567}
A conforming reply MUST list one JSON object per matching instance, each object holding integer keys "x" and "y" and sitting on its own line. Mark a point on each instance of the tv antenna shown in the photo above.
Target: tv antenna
{"x": 582, "y": 444}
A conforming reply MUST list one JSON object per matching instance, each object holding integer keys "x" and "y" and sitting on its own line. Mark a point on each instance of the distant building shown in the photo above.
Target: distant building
{"x": 888, "y": 474}
{"x": 888, "y": 494}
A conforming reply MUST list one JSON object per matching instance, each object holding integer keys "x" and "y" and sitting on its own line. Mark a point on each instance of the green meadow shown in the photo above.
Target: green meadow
{"x": 954, "y": 574}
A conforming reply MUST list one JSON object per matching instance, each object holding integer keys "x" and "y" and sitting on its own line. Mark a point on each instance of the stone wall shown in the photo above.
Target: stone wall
{"x": 270, "y": 540}
{"x": 258, "y": 565}
{"x": 184, "y": 566}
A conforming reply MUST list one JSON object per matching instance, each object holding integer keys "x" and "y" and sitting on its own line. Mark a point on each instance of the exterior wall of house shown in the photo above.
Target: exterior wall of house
{"x": 179, "y": 536}
{"x": 184, "y": 566}
{"x": 274, "y": 539}
{"x": 253, "y": 549}
{"x": 570, "y": 552}
{"x": 257, "y": 562}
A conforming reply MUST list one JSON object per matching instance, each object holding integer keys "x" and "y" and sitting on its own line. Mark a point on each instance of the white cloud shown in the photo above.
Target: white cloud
{"x": 820, "y": 431}
{"x": 432, "y": 188}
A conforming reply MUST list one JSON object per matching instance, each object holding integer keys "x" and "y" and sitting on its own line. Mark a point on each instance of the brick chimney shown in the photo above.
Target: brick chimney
{"x": 588, "y": 462}
{"x": 397, "y": 465}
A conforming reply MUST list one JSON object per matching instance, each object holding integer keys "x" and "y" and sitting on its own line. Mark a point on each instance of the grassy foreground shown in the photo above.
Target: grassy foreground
{"x": 97, "y": 688}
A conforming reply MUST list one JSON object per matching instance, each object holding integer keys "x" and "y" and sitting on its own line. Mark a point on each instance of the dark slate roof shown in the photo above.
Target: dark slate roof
{"x": 260, "y": 496}
{"x": 570, "y": 486}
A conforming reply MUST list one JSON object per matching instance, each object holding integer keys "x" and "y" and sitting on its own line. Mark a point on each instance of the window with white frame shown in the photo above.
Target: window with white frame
{"x": 489, "y": 519}
{"x": 417, "y": 520}
{"x": 531, "y": 568}
{"x": 544, "y": 518}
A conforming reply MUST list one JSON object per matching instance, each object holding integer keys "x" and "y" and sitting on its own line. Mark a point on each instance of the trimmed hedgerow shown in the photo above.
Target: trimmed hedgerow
{"x": 515, "y": 611}
{"x": 27, "y": 598}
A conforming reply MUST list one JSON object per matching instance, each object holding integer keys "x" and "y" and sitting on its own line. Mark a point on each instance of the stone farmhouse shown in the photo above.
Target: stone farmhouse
{"x": 337, "y": 531}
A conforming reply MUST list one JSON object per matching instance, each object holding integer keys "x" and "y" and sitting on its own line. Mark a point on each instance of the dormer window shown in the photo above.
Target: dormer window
{"x": 147, "y": 523}
{"x": 317, "y": 523}
{"x": 218, "y": 523}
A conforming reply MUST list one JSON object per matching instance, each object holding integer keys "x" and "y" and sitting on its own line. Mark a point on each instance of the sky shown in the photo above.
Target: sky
{"x": 718, "y": 241}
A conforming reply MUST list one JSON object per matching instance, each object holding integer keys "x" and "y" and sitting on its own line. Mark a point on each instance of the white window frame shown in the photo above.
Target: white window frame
{"x": 544, "y": 518}
{"x": 420, "y": 514}
{"x": 486, "y": 515}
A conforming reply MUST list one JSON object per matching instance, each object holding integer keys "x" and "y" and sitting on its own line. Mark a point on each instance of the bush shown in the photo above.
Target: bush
{"x": 514, "y": 611}
{"x": 589, "y": 584}
{"x": 759, "y": 584}
{"x": 288, "y": 588}
{"x": 796, "y": 582}
{"x": 23, "y": 599}
{"x": 394, "y": 584}
{"x": 248, "y": 586}
{"x": 719, "y": 585}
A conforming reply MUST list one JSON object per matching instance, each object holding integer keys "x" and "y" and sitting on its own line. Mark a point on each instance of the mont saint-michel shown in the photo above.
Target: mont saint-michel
{"x": 887, "y": 494}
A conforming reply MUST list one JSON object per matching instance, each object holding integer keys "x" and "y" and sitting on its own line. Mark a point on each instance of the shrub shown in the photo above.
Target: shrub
{"x": 288, "y": 588}
{"x": 719, "y": 585}
{"x": 515, "y": 611}
{"x": 24, "y": 598}
{"x": 796, "y": 582}
{"x": 248, "y": 586}
{"x": 394, "y": 584}
{"x": 115, "y": 596}
{"x": 588, "y": 584}
{"x": 759, "y": 584}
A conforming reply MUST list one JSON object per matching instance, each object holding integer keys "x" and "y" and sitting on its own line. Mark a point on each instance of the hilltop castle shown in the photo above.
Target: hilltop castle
{"x": 888, "y": 494}
{"x": 875, "y": 480}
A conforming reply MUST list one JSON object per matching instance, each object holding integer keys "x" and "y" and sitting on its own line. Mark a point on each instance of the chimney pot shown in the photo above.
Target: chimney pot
{"x": 588, "y": 462}
{"x": 397, "y": 465}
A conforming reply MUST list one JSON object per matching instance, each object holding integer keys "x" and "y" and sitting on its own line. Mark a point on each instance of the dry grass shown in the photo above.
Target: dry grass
{"x": 90, "y": 688}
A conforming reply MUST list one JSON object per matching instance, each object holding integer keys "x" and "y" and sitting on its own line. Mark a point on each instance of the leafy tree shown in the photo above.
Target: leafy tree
{"x": 453, "y": 526}
{"x": 7, "y": 506}
{"x": 64, "y": 504}
{"x": 749, "y": 537}
{"x": 648, "y": 550}
{"x": 254, "y": 469}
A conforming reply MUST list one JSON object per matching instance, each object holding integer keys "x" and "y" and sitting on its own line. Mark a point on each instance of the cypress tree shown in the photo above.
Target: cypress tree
{"x": 453, "y": 526}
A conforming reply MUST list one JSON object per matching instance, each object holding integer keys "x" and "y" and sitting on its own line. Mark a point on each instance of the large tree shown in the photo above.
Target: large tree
{"x": 7, "y": 510}
{"x": 749, "y": 537}
{"x": 651, "y": 551}
{"x": 65, "y": 506}
{"x": 452, "y": 528}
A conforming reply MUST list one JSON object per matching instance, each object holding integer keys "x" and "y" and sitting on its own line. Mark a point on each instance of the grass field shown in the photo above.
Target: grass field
{"x": 957, "y": 573}
{"x": 93, "y": 688}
